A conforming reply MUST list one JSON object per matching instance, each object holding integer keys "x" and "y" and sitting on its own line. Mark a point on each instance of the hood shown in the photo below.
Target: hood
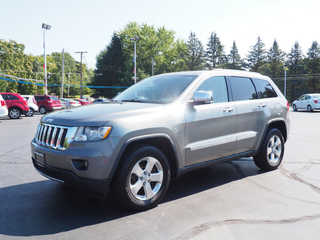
{"x": 99, "y": 114}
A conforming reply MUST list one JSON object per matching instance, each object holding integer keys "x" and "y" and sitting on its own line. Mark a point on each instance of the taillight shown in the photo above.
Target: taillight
{"x": 72, "y": 102}
{"x": 3, "y": 103}
{"x": 315, "y": 101}
{"x": 288, "y": 106}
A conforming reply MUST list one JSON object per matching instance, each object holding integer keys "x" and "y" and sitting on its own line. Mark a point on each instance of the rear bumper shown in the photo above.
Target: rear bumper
{"x": 97, "y": 188}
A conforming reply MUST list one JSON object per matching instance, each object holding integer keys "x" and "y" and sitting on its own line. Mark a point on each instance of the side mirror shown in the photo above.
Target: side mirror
{"x": 202, "y": 97}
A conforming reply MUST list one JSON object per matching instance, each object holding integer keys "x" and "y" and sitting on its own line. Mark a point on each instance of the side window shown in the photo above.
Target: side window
{"x": 307, "y": 97}
{"x": 5, "y": 97}
{"x": 301, "y": 98}
{"x": 242, "y": 89}
{"x": 13, "y": 97}
{"x": 264, "y": 88}
{"x": 217, "y": 86}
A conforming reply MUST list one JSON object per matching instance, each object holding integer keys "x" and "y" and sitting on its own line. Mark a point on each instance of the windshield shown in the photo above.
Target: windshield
{"x": 157, "y": 89}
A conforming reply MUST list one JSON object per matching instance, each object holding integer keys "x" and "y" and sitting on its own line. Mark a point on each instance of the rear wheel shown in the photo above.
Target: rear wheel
{"x": 42, "y": 110}
{"x": 271, "y": 152}
{"x": 142, "y": 178}
{"x": 309, "y": 108}
{"x": 14, "y": 113}
{"x": 30, "y": 113}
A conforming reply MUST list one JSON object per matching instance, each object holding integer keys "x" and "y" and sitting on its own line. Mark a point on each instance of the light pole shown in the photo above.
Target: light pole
{"x": 285, "y": 81}
{"x": 45, "y": 27}
{"x": 134, "y": 40}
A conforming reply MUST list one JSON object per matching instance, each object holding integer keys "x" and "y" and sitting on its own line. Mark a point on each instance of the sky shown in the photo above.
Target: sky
{"x": 87, "y": 25}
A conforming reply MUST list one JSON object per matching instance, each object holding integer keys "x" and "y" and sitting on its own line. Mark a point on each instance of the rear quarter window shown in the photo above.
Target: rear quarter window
{"x": 264, "y": 88}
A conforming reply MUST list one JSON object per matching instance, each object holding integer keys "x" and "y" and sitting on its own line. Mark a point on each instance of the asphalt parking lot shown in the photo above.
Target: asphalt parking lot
{"x": 228, "y": 201}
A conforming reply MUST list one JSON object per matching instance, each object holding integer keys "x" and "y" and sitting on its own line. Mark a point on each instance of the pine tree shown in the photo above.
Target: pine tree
{"x": 234, "y": 58}
{"x": 194, "y": 55}
{"x": 313, "y": 66}
{"x": 275, "y": 59}
{"x": 215, "y": 52}
{"x": 295, "y": 64}
{"x": 110, "y": 70}
{"x": 256, "y": 57}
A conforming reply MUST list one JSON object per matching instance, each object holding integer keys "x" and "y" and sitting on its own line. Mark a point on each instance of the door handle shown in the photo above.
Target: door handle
{"x": 228, "y": 109}
{"x": 262, "y": 105}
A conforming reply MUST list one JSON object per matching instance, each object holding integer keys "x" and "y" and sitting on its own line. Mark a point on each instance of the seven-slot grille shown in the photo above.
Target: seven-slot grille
{"x": 52, "y": 136}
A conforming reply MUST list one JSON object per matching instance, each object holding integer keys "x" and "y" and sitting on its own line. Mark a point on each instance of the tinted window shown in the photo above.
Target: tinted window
{"x": 264, "y": 89}
{"x": 12, "y": 97}
{"x": 39, "y": 98}
{"x": 5, "y": 97}
{"x": 217, "y": 86}
{"x": 242, "y": 89}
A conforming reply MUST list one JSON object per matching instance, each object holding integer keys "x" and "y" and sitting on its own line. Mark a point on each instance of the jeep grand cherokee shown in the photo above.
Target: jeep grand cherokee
{"x": 160, "y": 128}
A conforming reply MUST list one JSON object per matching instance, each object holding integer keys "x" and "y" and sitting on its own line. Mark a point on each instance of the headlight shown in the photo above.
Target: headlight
{"x": 92, "y": 133}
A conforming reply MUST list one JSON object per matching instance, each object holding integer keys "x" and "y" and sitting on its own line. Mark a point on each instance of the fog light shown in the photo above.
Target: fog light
{"x": 80, "y": 165}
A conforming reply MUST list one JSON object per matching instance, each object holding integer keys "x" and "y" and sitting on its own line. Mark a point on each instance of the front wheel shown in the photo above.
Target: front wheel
{"x": 142, "y": 178}
{"x": 271, "y": 152}
{"x": 294, "y": 107}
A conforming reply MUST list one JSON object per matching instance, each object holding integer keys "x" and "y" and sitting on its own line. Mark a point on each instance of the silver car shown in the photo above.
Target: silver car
{"x": 307, "y": 102}
{"x": 161, "y": 128}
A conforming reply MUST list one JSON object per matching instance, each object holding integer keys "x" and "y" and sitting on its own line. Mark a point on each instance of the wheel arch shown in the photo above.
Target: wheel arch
{"x": 281, "y": 126}
{"x": 161, "y": 141}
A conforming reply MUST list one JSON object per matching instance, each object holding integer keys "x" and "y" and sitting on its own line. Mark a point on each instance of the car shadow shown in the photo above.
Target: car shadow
{"x": 47, "y": 207}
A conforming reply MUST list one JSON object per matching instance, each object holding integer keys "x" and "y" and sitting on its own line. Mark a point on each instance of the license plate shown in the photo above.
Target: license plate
{"x": 39, "y": 158}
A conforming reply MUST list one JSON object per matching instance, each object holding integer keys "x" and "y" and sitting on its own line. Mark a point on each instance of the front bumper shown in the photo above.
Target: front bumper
{"x": 97, "y": 188}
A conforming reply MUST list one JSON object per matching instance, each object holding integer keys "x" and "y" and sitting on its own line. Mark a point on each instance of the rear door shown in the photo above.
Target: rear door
{"x": 251, "y": 113}
{"x": 210, "y": 128}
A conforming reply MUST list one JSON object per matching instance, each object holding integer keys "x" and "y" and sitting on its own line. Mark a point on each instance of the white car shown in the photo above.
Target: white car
{"x": 70, "y": 103}
{"x": 32, "y": 104}
{"x": 307, "y": 101}
{"x": 3, "y": 107}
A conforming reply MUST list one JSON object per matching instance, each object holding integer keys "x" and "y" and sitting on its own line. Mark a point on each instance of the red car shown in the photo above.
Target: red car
{"x": 47, "y": 103}
{"x": 16, "y": 104}
{"x": 83, "y": 101}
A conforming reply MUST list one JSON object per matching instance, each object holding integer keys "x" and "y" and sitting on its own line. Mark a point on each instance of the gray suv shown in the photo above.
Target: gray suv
{"x": 160, "y": 128}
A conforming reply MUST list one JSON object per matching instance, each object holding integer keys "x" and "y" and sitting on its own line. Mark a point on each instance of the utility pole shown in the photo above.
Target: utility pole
{"x": 81, "y": 73}
{"x": 62, "y": 76}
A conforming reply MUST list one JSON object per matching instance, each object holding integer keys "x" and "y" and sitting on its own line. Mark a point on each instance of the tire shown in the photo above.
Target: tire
{"x": 43, "y": 110}
{"x": 30, "y": 113}
{"x": 271, "y": 152}
{"x": 14, "y": 113}
{"x": 309, "y": 108}
{"x": 141, "y": 179}
{"x": 294, "y": 107}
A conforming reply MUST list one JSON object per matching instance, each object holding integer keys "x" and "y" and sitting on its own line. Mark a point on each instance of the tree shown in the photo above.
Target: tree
{"x": 234, "y": 60}
{"x": 193, "y": 56}
{"x": 111, "y": 69}
{"x": 256, "y": 57}
{"x": 313, "y": 66}
{"x": 215, "y": 52}
{"x": 296, "y": 67}
{"x": 14, "y": 62}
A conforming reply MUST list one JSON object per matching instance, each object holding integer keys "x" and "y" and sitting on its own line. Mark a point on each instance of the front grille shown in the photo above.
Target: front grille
{"x": 53, "y": 136}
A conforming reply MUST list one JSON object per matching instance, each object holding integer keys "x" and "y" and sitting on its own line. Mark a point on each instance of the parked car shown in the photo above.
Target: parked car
{"x": 32, "y": 104}
{"x": 83, "y": 101}
{"x": 47, "y": 103}
{"x": 3, "y": 107}
{"x": 16, "y": 104}
{"x": 70, "y": 103}
{"x": 101, "y": 100}
{"x": 63, "y": 104}
{"x": 163, "y": 127}
{"x": 307, "y": 101}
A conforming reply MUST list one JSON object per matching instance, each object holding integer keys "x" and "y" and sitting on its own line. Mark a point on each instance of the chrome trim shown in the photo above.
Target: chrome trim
{"x": 54, "y": 136}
